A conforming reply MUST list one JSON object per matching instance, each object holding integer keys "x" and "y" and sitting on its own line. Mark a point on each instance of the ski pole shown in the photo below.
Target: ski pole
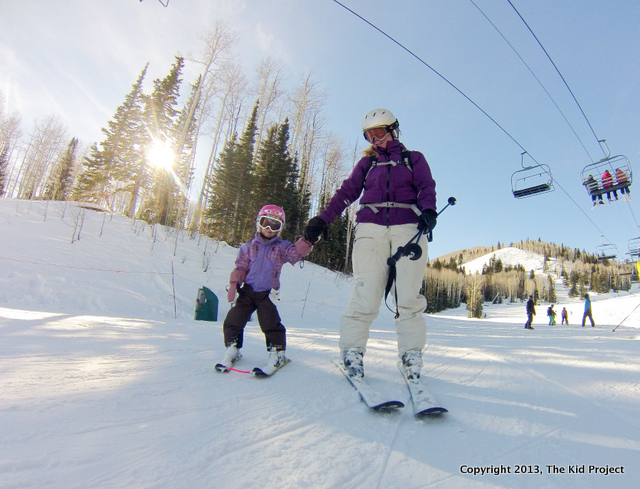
{"x": 450, "y": 201}
{"x": 413, "y": 251}
{"x": 614, "y": 329}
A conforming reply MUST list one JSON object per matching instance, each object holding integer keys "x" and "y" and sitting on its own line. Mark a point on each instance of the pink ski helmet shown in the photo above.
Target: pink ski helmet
{"x": 272, "y": 217}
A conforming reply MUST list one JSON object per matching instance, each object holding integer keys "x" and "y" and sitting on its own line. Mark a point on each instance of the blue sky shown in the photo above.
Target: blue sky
{"x": 78, "y": 59}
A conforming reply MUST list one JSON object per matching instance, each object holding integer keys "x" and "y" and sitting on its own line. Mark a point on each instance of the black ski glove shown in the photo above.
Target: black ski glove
{"x": 428, "y": 221}
{"x": 314, "y": 229}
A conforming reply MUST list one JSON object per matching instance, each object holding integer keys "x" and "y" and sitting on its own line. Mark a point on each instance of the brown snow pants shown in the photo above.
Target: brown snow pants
{"x": 247, "y": 303}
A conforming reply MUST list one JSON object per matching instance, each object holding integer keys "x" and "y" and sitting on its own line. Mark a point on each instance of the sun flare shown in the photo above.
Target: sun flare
{"x": 160, "y": 154}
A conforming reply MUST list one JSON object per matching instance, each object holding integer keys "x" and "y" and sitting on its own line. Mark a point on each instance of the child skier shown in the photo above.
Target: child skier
{"x": 565, "y": 316}
{"x": 256, "y": 278}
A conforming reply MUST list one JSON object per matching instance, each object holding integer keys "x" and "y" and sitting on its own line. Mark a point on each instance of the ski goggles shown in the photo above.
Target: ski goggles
{"x": 270, "y": 222}
{"x": 378, "y": 133}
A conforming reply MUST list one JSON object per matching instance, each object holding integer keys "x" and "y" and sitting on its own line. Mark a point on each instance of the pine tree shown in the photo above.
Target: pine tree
{"x": 4, "y": 165}
{"x": 161, "y": 116}
{"x": 230, "y": 214}
{"x": 68, "y": 172}
{"x": 61, "y": 178}
{"x": 117, "y": 164}
{"x": 91, "y": 185}
{"x": 331, "y": 252}
{"x": 218, "y": 213}
{"x": 276, "y": 179}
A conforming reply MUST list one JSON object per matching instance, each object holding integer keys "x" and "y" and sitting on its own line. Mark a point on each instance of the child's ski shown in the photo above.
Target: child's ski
{"x": 424, "y": 404}
{"x": 225, "y": 368}
{"x": 371, "y": 397}
{"x": 263, "y": 372}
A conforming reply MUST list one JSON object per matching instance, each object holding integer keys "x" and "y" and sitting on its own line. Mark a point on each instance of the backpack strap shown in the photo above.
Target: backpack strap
{"x": 406, "y": 161}
{"x": 376, "y": 207}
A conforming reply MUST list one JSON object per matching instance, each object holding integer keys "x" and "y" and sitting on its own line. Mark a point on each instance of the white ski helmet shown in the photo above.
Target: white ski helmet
{"x": 381, "y": 118}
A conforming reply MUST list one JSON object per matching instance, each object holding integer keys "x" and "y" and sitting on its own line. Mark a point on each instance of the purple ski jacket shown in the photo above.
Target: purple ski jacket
{"x": 260, "y": 261}
{"x": 386, "y": 183}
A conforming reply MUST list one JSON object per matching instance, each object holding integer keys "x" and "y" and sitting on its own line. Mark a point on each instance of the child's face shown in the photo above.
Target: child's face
{"x": 268, "y": 233}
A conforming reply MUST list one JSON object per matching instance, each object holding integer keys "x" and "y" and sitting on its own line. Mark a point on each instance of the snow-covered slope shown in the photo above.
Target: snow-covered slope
{"x": 102, "y": 387}
{"x": 508, "y": 256}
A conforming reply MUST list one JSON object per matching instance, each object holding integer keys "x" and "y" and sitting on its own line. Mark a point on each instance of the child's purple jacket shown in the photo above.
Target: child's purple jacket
{"x": 260, "y": 261}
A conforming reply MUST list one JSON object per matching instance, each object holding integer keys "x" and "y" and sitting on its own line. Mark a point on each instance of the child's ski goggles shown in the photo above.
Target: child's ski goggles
{"x": 270, "y": 222}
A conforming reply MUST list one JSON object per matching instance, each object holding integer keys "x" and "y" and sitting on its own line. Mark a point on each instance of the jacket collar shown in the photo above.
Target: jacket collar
{"x": 266, "y": 242}
{"x": 393, "y": 151}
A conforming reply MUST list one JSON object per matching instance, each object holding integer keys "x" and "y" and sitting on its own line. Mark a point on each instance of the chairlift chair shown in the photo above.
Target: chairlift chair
{"x": 634, "y": 248}
{"x": 615, "y": 165}
{"x": 531, "y": 180}
{"x": 606, "y": 252}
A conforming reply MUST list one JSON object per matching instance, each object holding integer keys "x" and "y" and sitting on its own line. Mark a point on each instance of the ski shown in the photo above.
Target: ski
{"x": 225, "y": 368}
{"x": 259, "y": 372}
{"x": 424, "y": 404}
{"x": 374, "y": 399}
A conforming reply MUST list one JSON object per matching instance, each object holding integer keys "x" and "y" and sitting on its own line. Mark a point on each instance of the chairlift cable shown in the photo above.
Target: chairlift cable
{"x": 581, "y": 209}
{"x": 633, "y": 215}
{"x": 534, "y": 76}
{"x": 559, "y": 74}
{"x": 435, "y": 71}
{"x": 472, "y": 102}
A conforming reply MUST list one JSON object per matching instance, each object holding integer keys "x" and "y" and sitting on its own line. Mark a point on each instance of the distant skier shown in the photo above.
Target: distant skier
{"x": 552, "y": 315}
{"x": 592, "y": 187}
{"x": 607, "y": 183}
{"x": 257, "y": 274}
{"x": 587, "y": 311}
{"x": 621, "y": 179}
{"x": 531, "y": 311}
{"x": 565, "y": 316}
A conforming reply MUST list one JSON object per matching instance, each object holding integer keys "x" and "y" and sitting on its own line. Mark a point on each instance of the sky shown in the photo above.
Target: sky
{"x": 107, "y": 382}
{"x": 79, "y": 59}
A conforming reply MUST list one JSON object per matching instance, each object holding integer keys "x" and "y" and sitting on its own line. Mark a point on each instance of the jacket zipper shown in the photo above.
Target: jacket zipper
{"x": 388, "y": 182}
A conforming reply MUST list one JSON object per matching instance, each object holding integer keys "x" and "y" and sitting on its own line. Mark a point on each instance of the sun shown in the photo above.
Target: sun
{"x": 160, "y": 154}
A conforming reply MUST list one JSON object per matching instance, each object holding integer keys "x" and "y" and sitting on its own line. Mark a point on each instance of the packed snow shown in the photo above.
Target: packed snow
{"x": 107, "y": 381}
{"x": 509, "y": 257}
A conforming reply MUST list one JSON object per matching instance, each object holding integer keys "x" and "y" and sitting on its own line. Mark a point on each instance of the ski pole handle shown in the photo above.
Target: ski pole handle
{"x": 450, "y": 201}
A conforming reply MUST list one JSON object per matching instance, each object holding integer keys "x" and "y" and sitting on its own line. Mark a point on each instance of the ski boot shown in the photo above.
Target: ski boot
{"x": 352, "y": 359}
{"x": 276, "y": 360}
{"x": 412, "y": 364}
{"x": 231, "y": 356}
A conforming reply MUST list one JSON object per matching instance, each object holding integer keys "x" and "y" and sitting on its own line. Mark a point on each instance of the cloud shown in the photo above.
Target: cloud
{"x": 265, "y": 40}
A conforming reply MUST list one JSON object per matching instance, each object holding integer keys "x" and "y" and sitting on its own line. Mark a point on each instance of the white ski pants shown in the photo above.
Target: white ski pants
{"x": 373, "y": 245}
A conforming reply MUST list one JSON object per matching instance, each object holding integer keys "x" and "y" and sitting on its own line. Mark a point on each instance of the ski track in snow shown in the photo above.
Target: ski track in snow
{"x": 101, "y": 387}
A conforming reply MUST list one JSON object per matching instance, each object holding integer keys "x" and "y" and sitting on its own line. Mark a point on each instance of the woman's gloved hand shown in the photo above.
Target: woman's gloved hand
{"x": 428, "y": 220}
{"x": 314, "y": 229}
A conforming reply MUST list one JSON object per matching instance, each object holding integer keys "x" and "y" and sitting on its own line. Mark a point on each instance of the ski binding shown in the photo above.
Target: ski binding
{"x": 374, "y": 399}
{"x": 424, "y": 404}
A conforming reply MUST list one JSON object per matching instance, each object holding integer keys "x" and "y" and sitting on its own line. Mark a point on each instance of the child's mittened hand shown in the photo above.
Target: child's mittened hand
{"x": 231, "y": 294}
{"x": 303, "y": 247}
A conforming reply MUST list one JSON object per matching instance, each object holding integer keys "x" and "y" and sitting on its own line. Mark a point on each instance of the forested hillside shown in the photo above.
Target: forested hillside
{"x": 264, "y": 141}
{"x": 448, "y": 284}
